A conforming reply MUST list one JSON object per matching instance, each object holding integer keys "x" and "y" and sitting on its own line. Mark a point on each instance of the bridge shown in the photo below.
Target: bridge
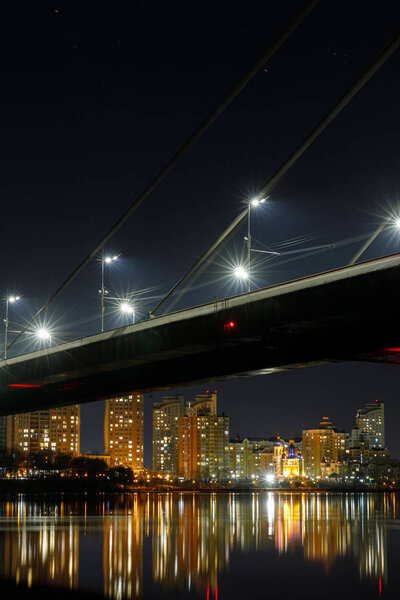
{"x": 344, "y": 314}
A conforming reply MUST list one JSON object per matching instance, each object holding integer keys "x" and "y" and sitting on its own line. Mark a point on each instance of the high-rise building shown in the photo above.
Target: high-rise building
{"x": 55, "y": 430}
{"x": 241, "y": 459}
{"x": 203, "y": 404}
{"x": 64, "y": 430}
{"x": 166, "y": 433}
{"x": 323, "y": 446}
{"x": 203, "y": 447}
{"x": 370, "y": 421}
{"x": 123, "y": 431}
{"x": 203, "y": 440}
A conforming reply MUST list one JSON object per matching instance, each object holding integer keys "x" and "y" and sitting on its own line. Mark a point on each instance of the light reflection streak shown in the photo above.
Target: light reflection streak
{"x": 192, "y": 536}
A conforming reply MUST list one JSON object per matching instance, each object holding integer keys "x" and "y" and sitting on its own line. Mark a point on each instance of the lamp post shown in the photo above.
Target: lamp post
{"x": 254, "y": 202}
{"x": 9, "y": 300}
{"x": 104, "y": 261}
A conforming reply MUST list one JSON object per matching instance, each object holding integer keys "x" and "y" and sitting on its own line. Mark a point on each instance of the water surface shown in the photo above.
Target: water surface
{"x": 204, "y": 545}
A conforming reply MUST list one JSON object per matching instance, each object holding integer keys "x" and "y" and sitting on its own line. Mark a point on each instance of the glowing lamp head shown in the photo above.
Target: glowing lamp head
{"x": 257, "y": 201}
{"x": 13, "y": 299}
{"x": 397, "y": 222}
{"x": 43, "y": 334}
{"x": 126, "y": 308}
{"x": 240, "y": 273}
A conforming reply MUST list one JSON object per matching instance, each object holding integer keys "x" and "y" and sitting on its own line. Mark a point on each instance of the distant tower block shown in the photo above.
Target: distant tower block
{"x": 123, "y": 431}
{"x": 370, "y": 421}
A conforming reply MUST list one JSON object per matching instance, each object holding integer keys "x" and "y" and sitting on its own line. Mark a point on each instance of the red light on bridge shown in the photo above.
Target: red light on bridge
{"x": 24, "y": 385}
{"x": 228, "y": 327}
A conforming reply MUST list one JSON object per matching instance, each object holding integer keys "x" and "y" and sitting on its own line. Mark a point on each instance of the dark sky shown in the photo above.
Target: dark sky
{"x": 95, "y": 99}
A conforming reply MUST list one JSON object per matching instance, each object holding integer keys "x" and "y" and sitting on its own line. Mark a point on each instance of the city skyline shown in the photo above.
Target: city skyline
{"x": 64, "y": 195}
{"x": 340, "y": 408}
{"x": 192, "y": 440}
{"x": 203, "y": 200}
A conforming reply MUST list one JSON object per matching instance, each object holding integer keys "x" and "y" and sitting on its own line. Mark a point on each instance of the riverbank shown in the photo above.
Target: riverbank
{"x": 95, "y": 485}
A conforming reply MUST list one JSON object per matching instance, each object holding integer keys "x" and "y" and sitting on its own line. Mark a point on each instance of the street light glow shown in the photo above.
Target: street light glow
{"x": 397, "y": 222}
{"x": 127, "y": 308}
{"x": 256, "y": 201}
{"x": 13, "y": 299}
{"x": 43, "y": 334}
{"x": 109, "y": 259}
{"x": 240, "y": 273}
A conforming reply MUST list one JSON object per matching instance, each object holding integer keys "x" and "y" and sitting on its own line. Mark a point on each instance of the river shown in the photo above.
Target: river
{"x": 213, "y": 546}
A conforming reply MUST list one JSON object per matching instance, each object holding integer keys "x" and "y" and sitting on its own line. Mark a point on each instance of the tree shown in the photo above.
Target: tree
{"x": 121, "y": 475}
{"x": 91, "y": 467}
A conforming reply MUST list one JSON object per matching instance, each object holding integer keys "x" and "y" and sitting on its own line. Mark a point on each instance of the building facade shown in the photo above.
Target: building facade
{"x": 203, "y": 440}
{"x": 64, "y": 430}
{"x": 240, "y": 459}
{"x": 56, "y": 430}
{"x": 203, "y": 404}
{"x": 323, "y": 446}
{"x": 166, "y": 433}
{"x": 123, "y": 431}
{"x": 204, "y": 447}
{"x": 370, "y": 421}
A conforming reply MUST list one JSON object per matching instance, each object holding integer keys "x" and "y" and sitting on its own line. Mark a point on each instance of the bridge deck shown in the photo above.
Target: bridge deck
{"x": 337, "y": 315}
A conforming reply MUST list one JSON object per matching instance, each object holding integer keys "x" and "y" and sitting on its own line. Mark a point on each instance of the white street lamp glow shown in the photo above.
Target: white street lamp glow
{"x": 13, "y": 299}
{"x": 43, "y": 334}
{"x": 126, "y": 308}
{"x": 256, "y": 201}
{"x": 397, "y": 222}
{"x": 240, "y": 273}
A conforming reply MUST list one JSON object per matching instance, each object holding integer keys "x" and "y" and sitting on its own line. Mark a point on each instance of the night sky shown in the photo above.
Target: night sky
{"x": 97, "y": 97}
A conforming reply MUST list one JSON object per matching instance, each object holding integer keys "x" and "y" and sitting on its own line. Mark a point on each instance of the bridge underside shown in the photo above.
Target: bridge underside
{"x": 349, "y": 314}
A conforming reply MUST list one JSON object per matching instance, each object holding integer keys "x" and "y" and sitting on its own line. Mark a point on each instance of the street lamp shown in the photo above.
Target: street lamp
{"x": 253, "y": 203}
{"x": 43, "y": 334}
{"x": 104, "y": 261}
{"x": 240, "y": 273}
{"x": 127, "y": 309}
{"x": 9, "y": 300}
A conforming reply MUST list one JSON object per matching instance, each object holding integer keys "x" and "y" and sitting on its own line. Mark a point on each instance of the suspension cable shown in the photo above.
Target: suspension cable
{"x": 388, "y": 49}
{"x": 201, "y": 130}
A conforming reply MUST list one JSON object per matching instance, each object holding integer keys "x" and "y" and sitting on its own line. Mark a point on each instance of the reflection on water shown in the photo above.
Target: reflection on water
{"x": 186, "y": 541}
